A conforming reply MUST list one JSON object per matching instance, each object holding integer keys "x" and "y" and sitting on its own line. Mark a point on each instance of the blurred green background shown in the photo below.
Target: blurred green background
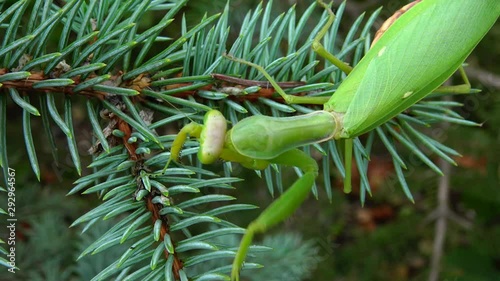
{"x": 389, "y": 238}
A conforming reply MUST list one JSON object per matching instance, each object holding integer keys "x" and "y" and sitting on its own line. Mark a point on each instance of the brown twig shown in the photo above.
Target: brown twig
{"x": 165, "y": 229}
{"x": 441, "y": 221}
{"x": 250, "y": 83}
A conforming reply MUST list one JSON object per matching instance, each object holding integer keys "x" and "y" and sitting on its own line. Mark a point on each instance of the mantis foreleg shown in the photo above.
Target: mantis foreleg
{"x": 211, "y": 136}
{"x": 192, "y": 129}
{"x": 281, "y": 208}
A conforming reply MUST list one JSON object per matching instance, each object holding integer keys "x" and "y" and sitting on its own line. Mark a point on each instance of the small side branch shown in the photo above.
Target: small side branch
{"x": 441, "y": 221}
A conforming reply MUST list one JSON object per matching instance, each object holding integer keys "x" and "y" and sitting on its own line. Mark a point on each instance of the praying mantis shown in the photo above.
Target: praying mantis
{"x": 413, "y": 57}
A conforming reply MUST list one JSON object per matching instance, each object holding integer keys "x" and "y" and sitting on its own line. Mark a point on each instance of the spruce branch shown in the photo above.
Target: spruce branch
{"x": 134, "y": 91}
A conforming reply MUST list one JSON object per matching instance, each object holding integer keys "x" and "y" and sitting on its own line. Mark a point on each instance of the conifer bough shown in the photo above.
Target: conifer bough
{"x": 413, "y": 57}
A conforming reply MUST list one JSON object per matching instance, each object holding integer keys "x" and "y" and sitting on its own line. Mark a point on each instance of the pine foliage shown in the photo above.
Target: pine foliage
{"x": 173, "y": 222}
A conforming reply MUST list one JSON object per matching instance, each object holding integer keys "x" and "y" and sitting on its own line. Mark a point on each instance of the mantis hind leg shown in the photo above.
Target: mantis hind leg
{"x": 320, "y": 49}
{"x": 464, "y": 88}
{"x": 289, "y": 99}
{"x": 348, "y": 164}
{"x": 281, "y": 208}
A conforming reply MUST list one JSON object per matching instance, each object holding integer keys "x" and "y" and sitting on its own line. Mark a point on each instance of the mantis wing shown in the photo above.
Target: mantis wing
{"x": 422, "y": 49}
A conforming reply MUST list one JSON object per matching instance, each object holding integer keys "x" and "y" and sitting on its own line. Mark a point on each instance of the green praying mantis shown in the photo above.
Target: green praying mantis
{"x": 413, "y": 57}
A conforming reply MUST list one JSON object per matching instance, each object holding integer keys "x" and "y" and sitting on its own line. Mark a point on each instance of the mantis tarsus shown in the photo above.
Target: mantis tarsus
{"x": 413, "y": 57}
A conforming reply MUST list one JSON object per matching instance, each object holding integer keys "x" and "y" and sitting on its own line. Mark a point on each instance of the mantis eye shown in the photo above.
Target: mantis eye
{"x": 212, "y": 137}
